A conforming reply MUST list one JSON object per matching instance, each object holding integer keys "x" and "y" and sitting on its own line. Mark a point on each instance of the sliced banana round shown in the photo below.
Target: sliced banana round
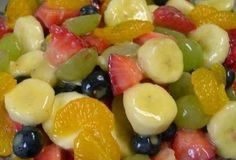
{"x": 60, "y": 101}
{"x": 149, "y": 108}
{"x": 30, "y": 102}
{"x": 182, "y": 5}
{"x": 29, "y": 32}
{"x": 161, "y": 60}
{"x": 122, "y": 10}
{"x": 222, "y": 5}
{"x": 214, "y": 41}
{"x": 222, "y": 131}
{"x": 26, "y": 63}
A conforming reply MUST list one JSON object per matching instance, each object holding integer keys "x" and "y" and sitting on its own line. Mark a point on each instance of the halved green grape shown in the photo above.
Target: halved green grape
{"x": 10, "y": 45}
{"x": 231, "y": 93}
{"x": 4, "y": 62}
{"x": 181, "y": 87}
{"x": 83, "y": 24}
{"x": 126, "y": 48}
{"x": 170, "y": 32}
{"x": 190, "y": 115}
{"x": 78, "y": 66}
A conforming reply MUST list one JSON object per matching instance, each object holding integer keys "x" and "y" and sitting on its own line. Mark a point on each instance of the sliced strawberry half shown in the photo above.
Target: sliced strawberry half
{"x": 166, "y": 153}
{"x": 3, "y": 28}
{"x": 50, "y": 16}
{"x": 193, "y": 145}
{"x": 124, "y": 72}
{"x": 63, "y": 45}
{"x": 50, "y": 152}
{"x": 170, "y": 17}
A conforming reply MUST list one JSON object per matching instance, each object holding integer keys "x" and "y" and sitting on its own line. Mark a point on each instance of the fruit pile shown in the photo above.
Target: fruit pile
{"x": 117, "y": 79}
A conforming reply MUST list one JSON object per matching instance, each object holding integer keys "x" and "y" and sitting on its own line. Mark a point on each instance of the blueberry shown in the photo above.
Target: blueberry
{"x": 28, "y": 142}
{"x": 96, "y": 3}
{"x": 21, "y": 78}
{"x": 97, "y": 84}
{"x": 87, "y": 10}
{"x": 66, "y": 87}
{"x": 146, "y": 145}
{"x": 160, "y": 2}
{"x": 230, "y": 76}
{"x": 169, "y": 133}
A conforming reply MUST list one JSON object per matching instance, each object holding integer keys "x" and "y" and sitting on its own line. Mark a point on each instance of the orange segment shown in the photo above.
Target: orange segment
{"x": 7, "y": 132}
{"x": 80, "y": 113}
{"x": 125, "y": 31}
{"x": 7, "y": 82}
{"x": 67, "y": 4}
{"x": 94, "y": 144}
{"x": 219, "y": 71}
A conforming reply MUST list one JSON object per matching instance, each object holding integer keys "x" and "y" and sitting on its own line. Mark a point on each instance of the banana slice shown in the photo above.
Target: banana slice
{"x": 182, "y": 5}
{"x": 30, "y": 102}
{"x": 29, "y": 32}
{"x": 149, "y": 108}
{"x": 122, "y": 10}
{"x": 26, "y": 63}
{"x": 60, "y": 101}
{"x": 222, "y": 5}
{"x": 214, "y": 41}
{"x": 161, "y": 60}
{"x": 45, "y": 72}
{"x": 222, "y": 131}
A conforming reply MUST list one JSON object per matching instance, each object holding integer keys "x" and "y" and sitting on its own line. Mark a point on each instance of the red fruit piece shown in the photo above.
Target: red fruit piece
{"x": 230, "y": 61}
{"x": 192, "y": 145}
{"x": 170, "y": 17}
{"x": 166, "y": 153}
{"x": 50, "y": 16}
{"x": 63, "y": 45}
{"x": 147, "y": 36}
{"x": 3, "y": 28}
{"x": 124, "y": 72}
{"x": 50, "y": 152}
{"x": 98, "y": 43}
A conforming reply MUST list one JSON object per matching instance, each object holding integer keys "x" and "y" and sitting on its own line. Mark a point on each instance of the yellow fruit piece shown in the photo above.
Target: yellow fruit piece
{"x": 203, "y": 14}
{"x": 6, "y": 132}
{"x": 7, "y": 82}
{"x": 211, "y": 94}
{"x": 125, "y": 31}
{"x": 81, "y": 113}
{"x": 67, "y": 4}
{"x": 219, "y": 72}
{"x": 19, "y": 8}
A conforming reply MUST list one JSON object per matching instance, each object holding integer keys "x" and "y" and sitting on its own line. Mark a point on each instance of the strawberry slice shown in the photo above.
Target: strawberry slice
{"x": 50, "y": 152}
{"x": 3, "y": 28}
{"x": 124, "y": 72}
{"x": 170, "y": 17}
{"x": 63, "y": 45}
{"x": 51, "y": 16}
{"x": 166, "y": 153}
{"x": 192, "y": 145}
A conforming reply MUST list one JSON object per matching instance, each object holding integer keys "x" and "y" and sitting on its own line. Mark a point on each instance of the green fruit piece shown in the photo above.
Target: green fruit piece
{"x": 190, "y": 115}
{"x": 78, "y": 66}
{"x": 150, "y": 2}
{"x": 181, "y": 87}
{"x": 123, "y": 131}
{"x": 83, "y": 24}
{"x": 4, "y": 62}
{"x": 10, "y": 45}
{"x": 126, "y": 48}
{"x": 231, "y": 93}
{"x": 170, "y": 32}
{"x": 138, "y": 157}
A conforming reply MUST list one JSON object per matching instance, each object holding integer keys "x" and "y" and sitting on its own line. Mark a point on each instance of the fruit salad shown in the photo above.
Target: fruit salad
{"x": 117, "y": 79}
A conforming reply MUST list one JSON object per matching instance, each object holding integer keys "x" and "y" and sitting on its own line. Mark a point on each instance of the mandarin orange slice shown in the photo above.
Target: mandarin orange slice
{"x": 7, "y": 82}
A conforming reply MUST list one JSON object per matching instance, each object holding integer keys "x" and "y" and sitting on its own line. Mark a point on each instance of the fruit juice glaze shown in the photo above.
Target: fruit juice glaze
{"x": 117, "y": 80}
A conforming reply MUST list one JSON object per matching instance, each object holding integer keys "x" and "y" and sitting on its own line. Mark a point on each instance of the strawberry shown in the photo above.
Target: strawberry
{"x": 147, "y": 36}
{"x": 63, "y": 45}
{"x": 3, "y": 28}
{"x": 96, "y": 42}
{"x": 50, "y": 152}
{"x": 192, "y": 145}
{"x": 50, "y": 16}
{"x": 170, "y": 17}
{"x": 124, "y": 72}
{"x": 166, "y": 153}
{"x": 230, "y": 61}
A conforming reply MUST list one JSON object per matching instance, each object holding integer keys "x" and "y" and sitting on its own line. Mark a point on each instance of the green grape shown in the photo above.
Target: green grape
{"x": 137, "y": 157}
{"x": 170, "y": 32}
{"x": 231, "y": 93}
{"x": 190, "y": 115}
{"x": 126, "y": 48}
{"x": 83, "y": 24}
{"x": 78, "y": 66}
{"x": 4, "y": 62}
{"x": 181, "y": 87}
{"x": 10, "y": 45}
